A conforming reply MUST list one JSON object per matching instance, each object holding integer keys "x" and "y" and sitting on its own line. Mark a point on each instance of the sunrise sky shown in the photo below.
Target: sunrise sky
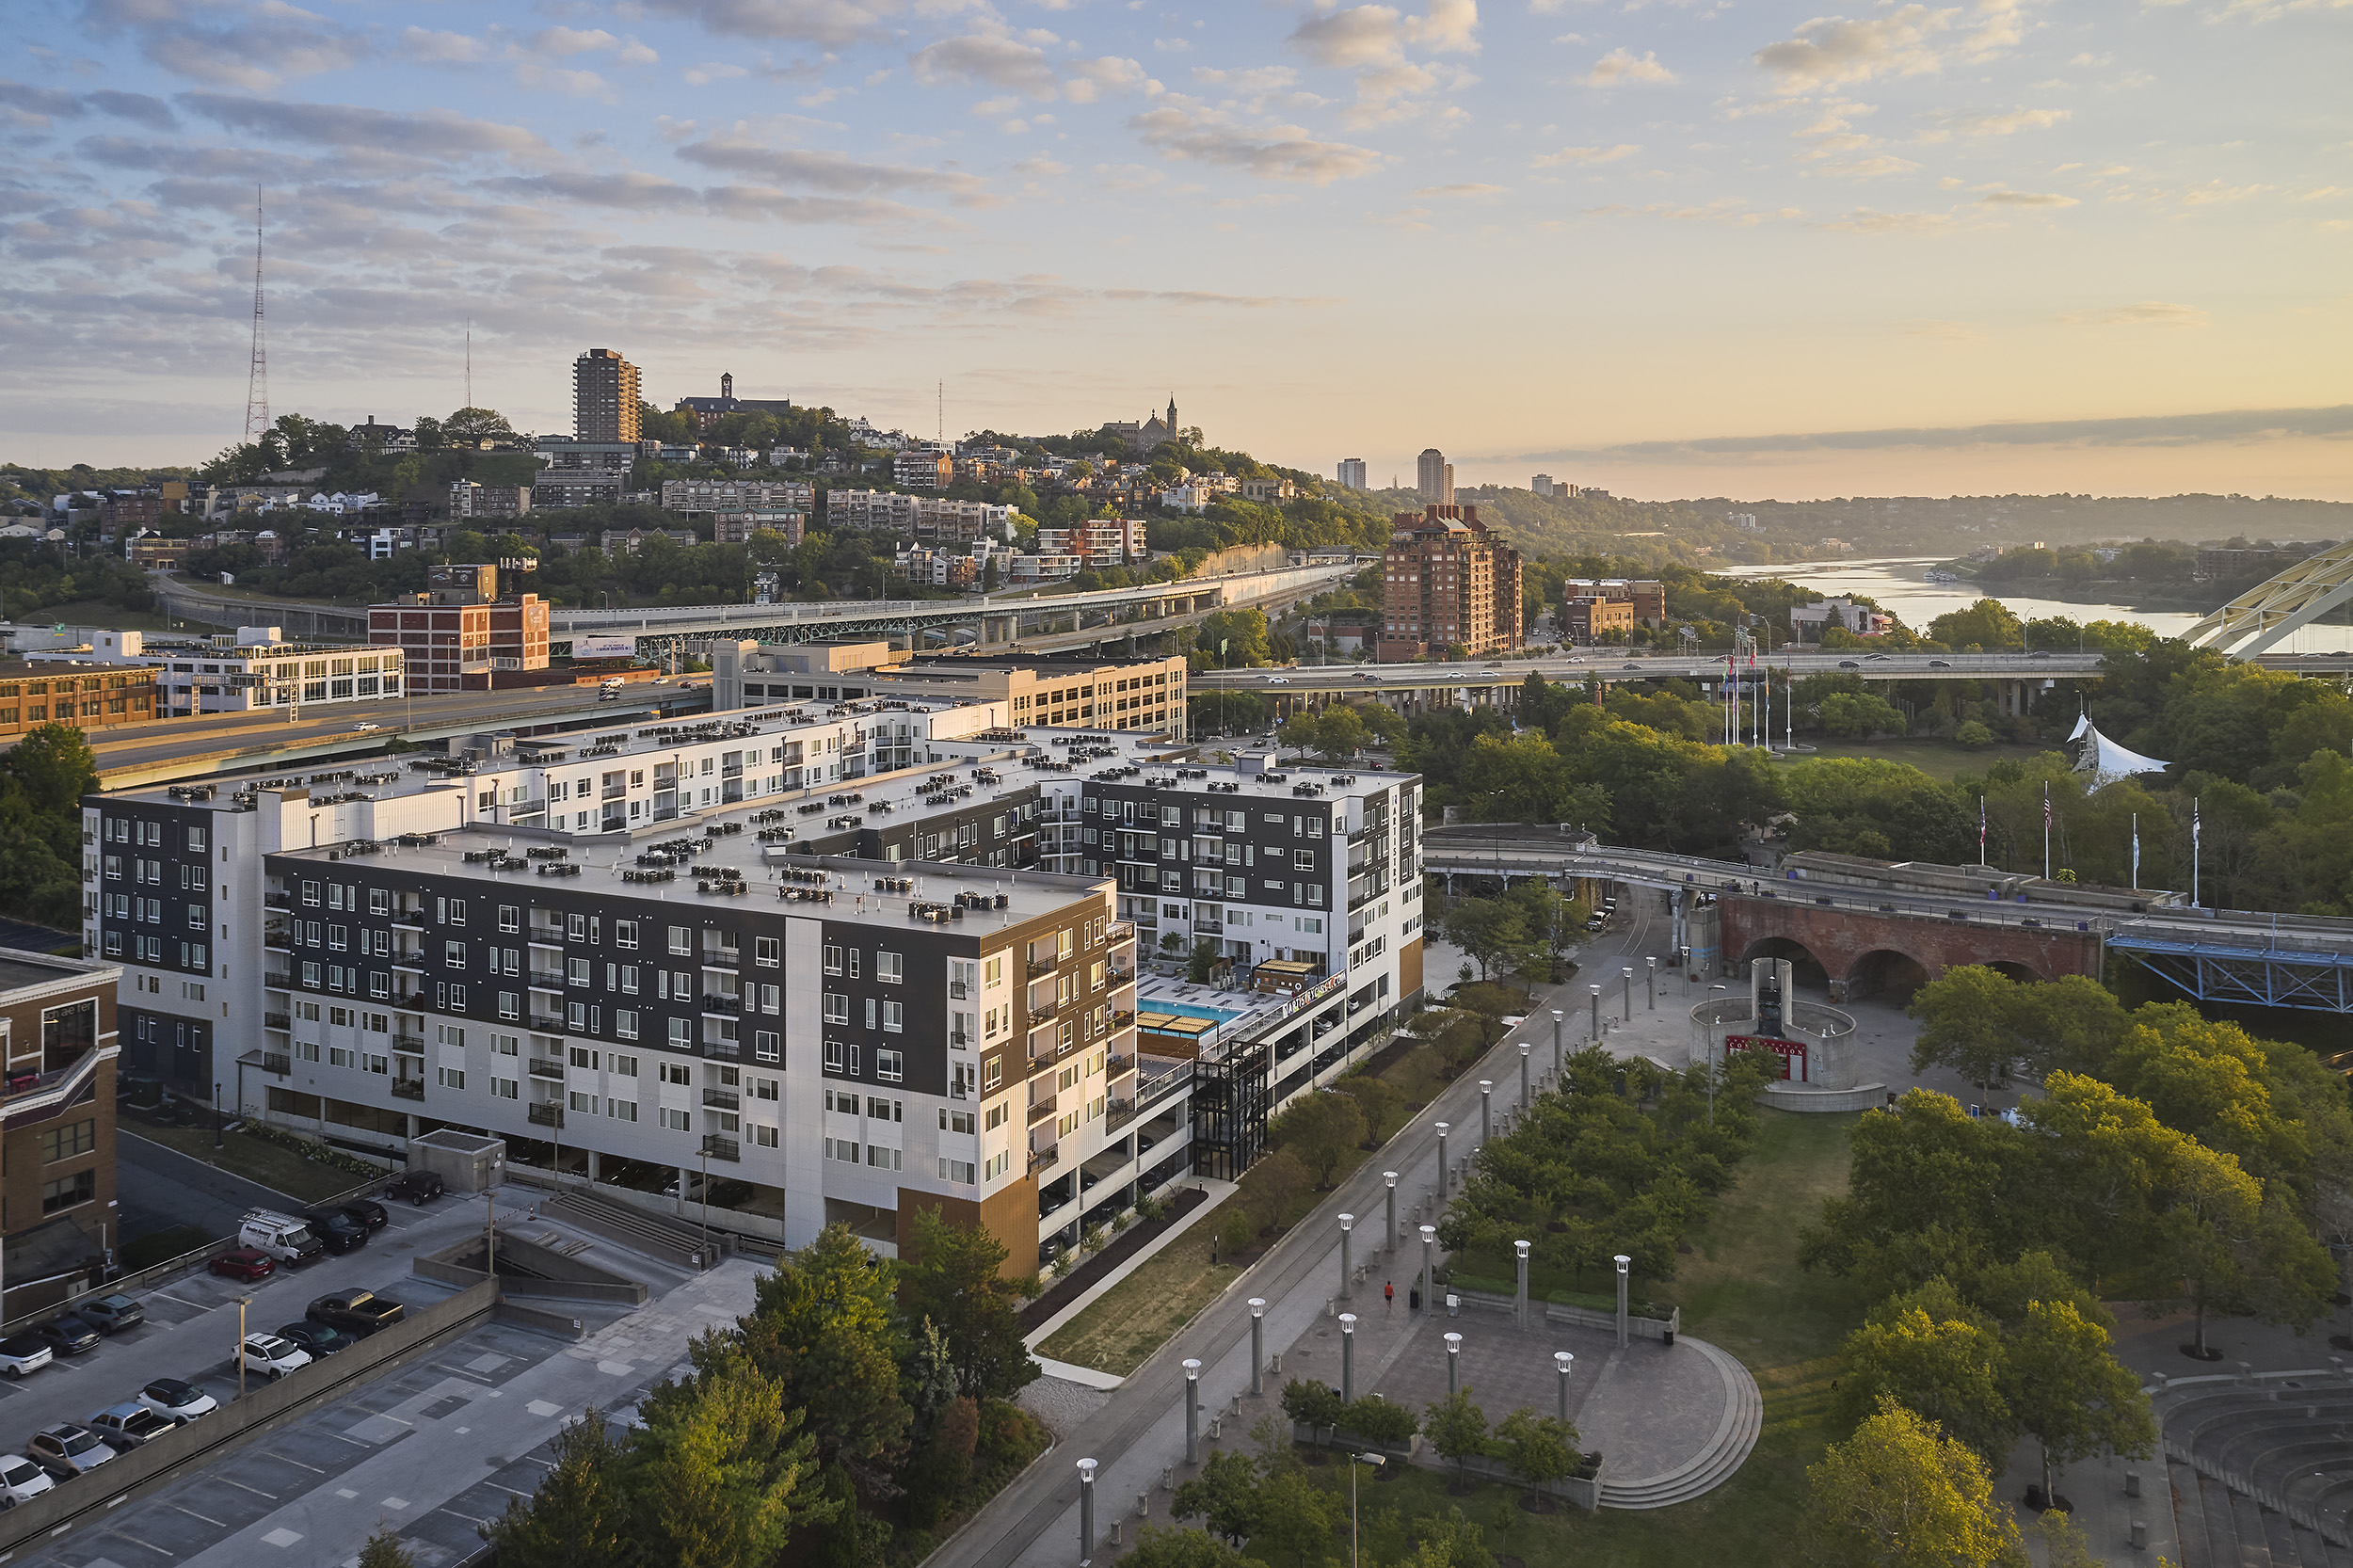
{"x": 1707, "y": 248}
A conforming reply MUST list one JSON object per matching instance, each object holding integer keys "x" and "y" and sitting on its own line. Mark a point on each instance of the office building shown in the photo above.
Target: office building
{"x": 831, "y": 950}
{"x": 1646, "y": 599}
{"x": 1541, "y": 483}
{"x": 1433, "y": 477}
{"x": 604, "y": 397}
{"x": 1587, "y": 619}
{"x": 254, "y": 667}
{"x": 1145, "y": 696}
{"x": 709, "y": 411}
{"x": 1450, "y": 587}
{"x": 1353, "y": 472}
{"x": 32, "y": 695}
{"x": 58, "y": 1037}
{"x": 462, "y": 633}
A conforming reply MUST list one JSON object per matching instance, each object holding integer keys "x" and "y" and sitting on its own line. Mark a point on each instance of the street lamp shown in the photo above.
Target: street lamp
{"x": 1562, "y": 1361}
{"x": 1376, "y": 1460}
{"x": 243, "y": 1302}
{"x": 1086, "y": 1511}
{"x": 1453, "y": 1365}
{"x": 1559, "y": 1063}
{"x": 219, "y": 1138}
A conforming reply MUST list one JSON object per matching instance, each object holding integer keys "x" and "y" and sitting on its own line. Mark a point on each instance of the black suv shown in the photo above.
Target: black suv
{"x": 418, "y": 1186}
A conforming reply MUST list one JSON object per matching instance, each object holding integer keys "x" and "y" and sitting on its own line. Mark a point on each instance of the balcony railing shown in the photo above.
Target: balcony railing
{"x": 548, "y": 980}
{"x": 722, "y": 1148}
{"x": 546, "y": 1113}
{"x": 278, "y": 901}
{"x": 1044, "y": 966}
{"x": 277, "y": 1061}
{"x": 1121, "y": 931}
{"x": 552, "y": 1022}
{"x": 551, "y": 935}
{"x": 722, "y": 1099}
{"x": 723, "y": 1005}
{"x": 1041, "y": 1109}
{"x": 542, "y": 1068}
{"x": 408, "y": 1045}
{"x": 409, "y": 1088}
{"x": 723, "y": 958}
{"x": 278, "y": 941}
{"x": 959, "y": 991}
{"x": 275, "y": 1021}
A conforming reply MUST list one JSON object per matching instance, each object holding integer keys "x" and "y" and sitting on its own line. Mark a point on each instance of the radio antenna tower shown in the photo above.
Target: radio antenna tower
{"x": 257, "y": 381}
{"x": 941, "y": 431}
{"x": 470, "y": 361}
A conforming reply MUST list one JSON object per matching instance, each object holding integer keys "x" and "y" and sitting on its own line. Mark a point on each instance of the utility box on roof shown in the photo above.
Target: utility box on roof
{"x": 465, "y": 1161}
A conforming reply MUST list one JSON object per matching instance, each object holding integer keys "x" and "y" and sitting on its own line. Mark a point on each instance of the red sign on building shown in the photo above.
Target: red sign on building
{"x": 1791, "y": 1052}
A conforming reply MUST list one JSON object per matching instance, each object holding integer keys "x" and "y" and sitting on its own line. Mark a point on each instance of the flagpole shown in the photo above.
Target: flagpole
{"x": 1981, "y": 830}
{"x": 2135, "y": 852}
{"x": 2193, "y": 851}
{"x": 2046, "y": 830}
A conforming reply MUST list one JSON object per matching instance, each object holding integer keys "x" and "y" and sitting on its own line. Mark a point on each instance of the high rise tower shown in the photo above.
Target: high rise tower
{"x": 1433, "y": 477}
{"x": 604, "y": 397}
{"x": 257, "y": 379}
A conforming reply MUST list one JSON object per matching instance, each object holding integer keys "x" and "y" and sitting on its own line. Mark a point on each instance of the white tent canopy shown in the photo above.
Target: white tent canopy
{"x": 2105, "y": 759}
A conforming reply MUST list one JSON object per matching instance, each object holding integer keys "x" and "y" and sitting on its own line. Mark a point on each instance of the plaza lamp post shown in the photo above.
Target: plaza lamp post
{"x": 1376, "y": 1460}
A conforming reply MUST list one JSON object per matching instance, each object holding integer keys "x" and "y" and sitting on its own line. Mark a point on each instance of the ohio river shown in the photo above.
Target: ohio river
{"x": 1900, "y": 584}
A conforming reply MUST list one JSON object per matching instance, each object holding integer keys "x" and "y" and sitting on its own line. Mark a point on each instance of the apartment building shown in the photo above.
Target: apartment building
{"x": 737, "y": 527}
{"x": 469, "y": 499}
{"x": 1449, "y": 584}
{"x": 1099, "y": 540}
{"x": 233, "y": 673}
{"x": 927, "y": 469}
{"x": 604, "y": 397}
{"x": 34, "y": 694}
{"x": 463, "y": 633}
{"x": 737, "y": 495}
{"x": 57, "y": 1038}
{"x": 1145, "y": 696}
{"x": 1272, "y": 492}
{"x": 921, "y": 516}
{"x": 1351, "y": 473}
{"x": 1433, "y": 477}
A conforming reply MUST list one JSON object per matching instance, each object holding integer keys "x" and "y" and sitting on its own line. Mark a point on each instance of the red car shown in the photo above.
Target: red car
{"x": 244, "y": 1263}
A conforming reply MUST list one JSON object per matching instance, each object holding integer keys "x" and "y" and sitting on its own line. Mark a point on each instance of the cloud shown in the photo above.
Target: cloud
{"x": 1584, "y": 155}
{"x": 1090, "y": 79}
{"x": 1186, "y": 130}
{"x": 1832, "y": 49}
{"x": 427, "y": 47}
{"x": 35, "y": 106}
{"x": 254, "y": 47}
{"x": 1622, "y": 65}
{"x": 2026, "y": 198}
{"x": 636, "y": 192}
{"x": 137, "y": 108}
{"x": 1436, "y": 192}
{"x": 1871, "y": 169}
{"x": 1865, "y": 220}
{"x": 425, "y": 133}
{"x": 2146, "y": 313}
{"x": 1361, "y": 35}
{"x": 1974, "y": 126}
{"x": 565, "y": 42}
{"x": 813, "y": 21}
{"x": 998, "y": 59}
{"x": 738, "y": 154}
{"x": 2248, "y": 425}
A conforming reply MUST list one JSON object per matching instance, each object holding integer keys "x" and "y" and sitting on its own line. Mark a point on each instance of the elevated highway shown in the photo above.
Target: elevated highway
{"x": 1853, "y": 920}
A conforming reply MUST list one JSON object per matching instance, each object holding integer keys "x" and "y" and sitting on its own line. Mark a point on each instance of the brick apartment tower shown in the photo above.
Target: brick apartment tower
{"x": 604, "y": 397}
{"x": 1448, "y": 582}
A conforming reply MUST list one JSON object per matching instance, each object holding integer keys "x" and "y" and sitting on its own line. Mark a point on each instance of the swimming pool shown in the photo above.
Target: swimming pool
{"x": 1187, "y": 1009}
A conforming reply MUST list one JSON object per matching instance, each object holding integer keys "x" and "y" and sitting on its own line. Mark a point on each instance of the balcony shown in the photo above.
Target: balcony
{"x": 723, "y": 958}
{"x": 409, "y": 1088}
{"x": 730, "y": 1006}
{"x": 409, "y": 917}
{"x": 278, "y": 980}
{"x": 716, "y": 1148}
{"x": 277, "y": 1061}
{"x": 547, "y": 980}
{"x": 278, "y": 901}
{"x": 1041, "y": 1109}
{"x": 546, "y": 1113}
{"x": 1041, "y": 1159}
{"x": 1121, "y": 931}
{"x": 722, "y": 1099}
{"x": 1042, "y": 966}
{"x": 408, "y": 1045}
{"x": 548, "y": 935}
{"x": 275, "y": 1021}
{"x": 278, "y": 941}
{"x": 551, "y": 1023}
{"x": 959, "y": 991}
{"x": 1041, "y": 1011}
{"x": 542, "y": 1068}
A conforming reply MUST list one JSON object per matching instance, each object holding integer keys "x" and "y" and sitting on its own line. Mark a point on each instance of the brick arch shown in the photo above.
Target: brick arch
{"x": 1887, "y": 974}
{"x": 1807, "y": 969}
{"x": 1840, "y": 940}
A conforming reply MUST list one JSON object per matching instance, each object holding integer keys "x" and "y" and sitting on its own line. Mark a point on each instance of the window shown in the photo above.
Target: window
{"x": 78, "y": 1187}
{"x": 681, "y": 939}
{"x": 621, "y": 1111}
{"x": 583, "y": 1057}
{"x": 891, "y": 1065}
{"x": 993, "y": 971}
{"x": 833, "y": 1056}
{"x": 677, "y": 1073}
{"x": 338, "y": 1057}
{"x": 885, "y": 1159}
{"x": 999, "y": 1167}
{"x": 767, "y": 952}
{"x": 625, "y": 934}
{"x": 955, "y": 1120}
{"x": 763, "y": 1088}
{"x": 448, "y": 1034}
{"x": 836, "y": 1008}
{"x": 955, "y": 1170}
{"x": 510, "y": 1006}
{"x": 993, "y": 1073}
{"x": 64, "y": 1142}
{"x": 890, "y": 968}
{"x": 620, "y": 1066}
{"x": 855, "y": 956}
{"x": 504, "y": 1044}
{"x": 453, "y": 954}
{"x": 625, "y": 1023}
{"x": 894, "y": 1017}
{"x": 510, "y": 917}
{"x": 841, "y": 1148}
{"x": 764, "y": 1136}
{"x": 767, "y": 1046}
{"x": 675, "y": 1120}
{"x": 452, "y": 1077}
{"x": 997, "y": 1114}
{"x": 506, "y": 1088}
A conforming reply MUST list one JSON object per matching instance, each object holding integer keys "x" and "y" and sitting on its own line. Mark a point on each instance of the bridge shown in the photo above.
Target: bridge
{"x": 1861, "y": 927}
{"x": 2266, "y": 613}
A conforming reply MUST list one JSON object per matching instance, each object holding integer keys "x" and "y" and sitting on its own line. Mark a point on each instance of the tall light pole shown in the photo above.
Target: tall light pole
{"x": 1453, "y": 1365}
{"x": 1192, "y": 1410}
{"x": 1376, "y": 1460}
{"x": 1624, "y": 1262}
{"x": 1595, "y": 990}
{"x": 1388, "y": 1236}
{"x": 1347, "y": 1226}
{"x": 1442, "y": 1167}
{"x": 1348, "y": 1358}
{"x": 1086, "y": 1511}
{"x": 1559, "y": 1062}
{"x": 243, "y": 1302}
{"x": 1429, "y": 1267}
{"x": 1562, "y": 1361}
{"x": 1524, "y": 1101}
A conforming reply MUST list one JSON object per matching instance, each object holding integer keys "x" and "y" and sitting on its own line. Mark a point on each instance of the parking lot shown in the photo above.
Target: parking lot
{"x": 434, "y": 1447}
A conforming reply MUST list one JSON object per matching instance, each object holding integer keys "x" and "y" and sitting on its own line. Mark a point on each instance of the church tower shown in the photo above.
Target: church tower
{"x": 726, "y": 384}
{"x": 1172, "y": 416}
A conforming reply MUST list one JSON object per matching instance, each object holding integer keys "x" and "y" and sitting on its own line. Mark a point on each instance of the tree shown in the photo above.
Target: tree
{"x": 1540, "y": 1449}
{"x": 384, "y": 1551}
{"x": 723, "y": 1473}
{"x": 1312, "y": 1405}
{"x": 955, "y": 1278}
{"x": 2070, "y": 1393}
{"x": 1156, "y": 1548}
{"x": 1275, "y": 1184}
{"x": 1384, "y": 1423}
{"x": 578, "y": 1516}
{"x": 1457, "y": 1431}
{"x": 1856, "y": 717}
{"x": 56, "y": 768}
{"x": 1230, "y": 639}
{"x": 1902, "y": 1494}
{"x": 469, "y": 425}
{"x": 1986, "y": 624}
{"x": 1964, "y": 1020}
{"x": 822, "y": 1327}
{"x": 1223, "y": 1497}
{"x": 1949, "y": 1370}
{"x": 1296, "y": 1517}
{"x": 1323, "y": 1130}
{"x": 1491, "y": 931}
{"x": 1335, "y": 732}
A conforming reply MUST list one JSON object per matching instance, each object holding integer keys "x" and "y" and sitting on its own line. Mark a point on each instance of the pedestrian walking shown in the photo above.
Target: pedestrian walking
{"x": 1388, "y": 1295}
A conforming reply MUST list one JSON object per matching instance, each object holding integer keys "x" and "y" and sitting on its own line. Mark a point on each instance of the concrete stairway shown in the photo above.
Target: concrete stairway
{"x": 1735, "y": 1435}
{"x": 2261, "y": 1472}
{"x": 679, "y": 1245}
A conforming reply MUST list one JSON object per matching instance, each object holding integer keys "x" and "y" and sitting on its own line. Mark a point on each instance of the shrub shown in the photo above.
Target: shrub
{"x": 1974, "y": 735}
{"x": 1311, "y": 1405}
{"x": 1382, "y": 1423}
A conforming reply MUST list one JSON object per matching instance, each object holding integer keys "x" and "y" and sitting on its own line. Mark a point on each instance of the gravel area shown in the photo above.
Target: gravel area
{"x": 1062, "y": 1404}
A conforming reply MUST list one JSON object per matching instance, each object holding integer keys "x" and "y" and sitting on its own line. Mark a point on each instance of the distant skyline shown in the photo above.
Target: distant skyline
{"x": 1679, "y": 249}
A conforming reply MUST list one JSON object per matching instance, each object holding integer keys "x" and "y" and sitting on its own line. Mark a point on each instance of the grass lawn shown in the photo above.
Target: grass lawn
{"x": 281, "y": 1170}
{"x": 1742, "y": 1291}
{"x": 1944, "y": 760}
{"x": 97, "y": 611}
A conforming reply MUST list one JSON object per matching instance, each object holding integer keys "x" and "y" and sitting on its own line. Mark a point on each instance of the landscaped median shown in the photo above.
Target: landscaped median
{"x": 154, "y": 1463}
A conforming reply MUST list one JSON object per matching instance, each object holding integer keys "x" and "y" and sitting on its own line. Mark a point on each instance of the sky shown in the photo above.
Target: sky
{"x": 1672, "y": 248}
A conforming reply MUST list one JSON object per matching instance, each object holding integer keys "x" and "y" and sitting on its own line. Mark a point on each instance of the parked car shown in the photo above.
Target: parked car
{"x": 21, "y": 1480}
{"x": 418, "y": 1186}
{"x": 20, "y": 1353}
{"x": 112, "y": 1314}
{"x": 68, "y": 1335}
{"x": 361, "y": 1312}
{"x": 183, "y": 1401}
{"x": 67, "y": 1450}
{"x": 368, "y": 1212}
{"x": 244, "y": 1263}
{"x": 338, "y": 1230}
{"x": 267, "y": 1352}
{"x": 281, "y": 1236}
{"x": 317, "y": 1339}
{"x": 125, "y": 1425}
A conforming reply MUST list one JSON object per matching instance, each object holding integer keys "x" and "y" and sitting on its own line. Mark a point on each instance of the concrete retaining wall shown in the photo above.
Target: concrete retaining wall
{"x": 560, "y": 1278}
{"x": 1791, "y": 1097}
{"x": 1636, "y": 1325}
{"x": 92, "y": 1497}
